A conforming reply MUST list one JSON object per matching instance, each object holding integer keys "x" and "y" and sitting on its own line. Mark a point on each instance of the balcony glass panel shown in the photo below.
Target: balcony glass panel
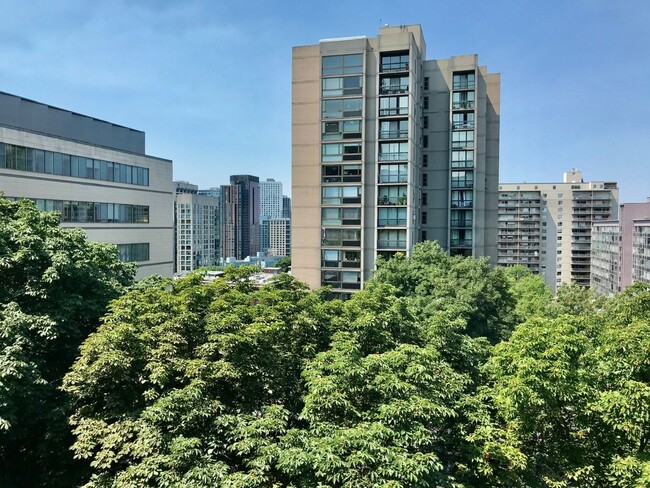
{"x": 462, "y": 198}
{"x": 342, "y": 108}
{"x": 393, "y": 151}
{"x": 391, "y": 239}
{"x": 341, "y": 86}
{"x": 342, "y": 64}
{"x": 389, "y": 106}
{"x": 463, "y": 100}
{"x": 394, "y": 62}
{"x": 393, "y": 173}
{"x": 392, "y": 195}
{"x": 341, "y": 129}
{"x": 394, "y": 85}
{"x": 393, "y": 129}
{"x": 391, "y": 217}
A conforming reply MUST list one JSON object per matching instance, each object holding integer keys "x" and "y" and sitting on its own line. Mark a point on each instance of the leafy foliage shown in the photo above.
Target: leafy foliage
{"x": 55, "y": 287}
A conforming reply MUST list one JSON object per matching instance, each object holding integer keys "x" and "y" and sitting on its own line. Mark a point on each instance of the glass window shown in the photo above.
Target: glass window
{"x": 387, "y": 216}
{"x": 462, "y": 159}
{"x": 341, "y": 86}
{"x": 346, "y": 173}
{"x": 341, "y": 194}
{"x": 462, "y": 100}
{"x": 393, "y": 151}
{"x": 392, "y": 195}
{"x": 394, "y": 62}
{"x": 463, "y": 120}
{"x": 342, "y": 108}
{"x": 341, "y": 216}
{"x": 341, "y": 152}
{"x": 393, "y": 106}
{"x": 391, "y": 239}
{"x": 461, "y": 218}
{"x": 464, "y": 80}
{"x": 463, "y": 138}
{"x": 343, "y": 64}
{"x": 394, "y": 84}
{"x": 462, "y": 179}
{"x": 462, "y": 198}
{"x": 393, "y": 129}
{"x": 341, "y": 129}
{"x": 393, "y": 173}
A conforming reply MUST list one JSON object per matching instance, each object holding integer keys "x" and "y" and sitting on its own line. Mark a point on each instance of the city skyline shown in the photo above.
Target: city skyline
{"x": 211, "y": 84}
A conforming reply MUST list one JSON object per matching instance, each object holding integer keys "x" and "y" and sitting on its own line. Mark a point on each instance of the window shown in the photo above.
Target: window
{"x": 425, "y": 103}
{"x": 393, "y": 106}
{"x": 425, "y": 179}
{"x": 426, "y": 82}
{"x": 393, "y": 85}
{"x": 462, "y": 100}
{"x": 133, "y": 252}
{"x": 341, "y": 173}
{"x": 461, "y": 237}
{"x": 393, "y": 151}
{"x": 391, "y": 239}
{"x": 393, "y": 173}
{"x": 462, "y": 198}
{"x": 425, "y": 122}
{"x": 341, "y": 237}
{"x": 423, "y": 235}
{"x": 425, "y": 160}
{"x": 392, "y": 195}
{"x": 425, "y": 198}
{"x": 349, "y": 280}
{"x": 425, "y": 141}
{"x": 341, "y": 86}
{"x": 341, "y": 152}
{"x": 341, "y": 129}
{"x": 394, "y": 62}
{"x": 331, "y": 258}
{"x": 462, "y": 179}
{"x": 393, "y": 129}
{"x": 464, "y": 80}
{"x": 424, "y": 218}
{"x": 387, "y": 216}
{"x": 341, "y": 216}
{"x": 461, "y": 218}
{"x": 55, "y": 163}
{"x": 462, "y": 159}
{"x": 462, "y": 139}
{"x": 341, "y": 194}
{"x": 341, "y": 108}
{"x": 343, "y": 64}
{"x": 463, "y": 120}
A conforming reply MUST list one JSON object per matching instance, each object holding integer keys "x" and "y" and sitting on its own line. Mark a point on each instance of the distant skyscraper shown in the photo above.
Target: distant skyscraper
{"x": 286, "y": 207}
{"x": 270, "y": 199}
{"x": 547, "y": 226}
{"x": 389, "y": 149}
{"x": 195, "y": 228}
{"x": 617, "y": 250}
{"x": 216, "y": 193}
{"x": 279, "y": 237}
{"x": 240, "y": 222}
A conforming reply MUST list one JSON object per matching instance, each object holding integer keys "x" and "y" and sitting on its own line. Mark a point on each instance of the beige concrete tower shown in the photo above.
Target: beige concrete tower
{"x": 388, "y": 150}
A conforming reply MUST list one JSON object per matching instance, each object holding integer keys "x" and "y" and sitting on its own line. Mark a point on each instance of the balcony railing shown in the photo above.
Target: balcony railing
{"x": 398, "y": 66}
{"x": 386, "y": 112}
{"x": 386, "y": 200}
{"x": 394, "y": 134}
{"x": 461, "y": 204}
{"x": 463, "y": 85}
{"x": 463, "y": 104}
{"x": 391, "y": 222}
{"x": 393, "y": 178}
{"x": 461, "y": 242}
{"x": 463, "y": 124}
{"x": 393, "y": 89}
{"x": 391, "y": 244}
{"x": 396, "y": 156}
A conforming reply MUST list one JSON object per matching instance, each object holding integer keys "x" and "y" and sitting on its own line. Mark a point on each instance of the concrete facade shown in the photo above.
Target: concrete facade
{"x": 389, "y": 149}
{"x": 547, "y": 226}
{"x": 88, "y": 171}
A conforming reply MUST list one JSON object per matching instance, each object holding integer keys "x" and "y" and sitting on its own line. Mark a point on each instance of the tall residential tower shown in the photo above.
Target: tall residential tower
{"x": 388, "y": 150}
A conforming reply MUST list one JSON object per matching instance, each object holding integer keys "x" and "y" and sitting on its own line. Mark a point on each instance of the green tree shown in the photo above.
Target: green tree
{"x": 55, "y": 287}
{"x": 187, "y": 384}
{"x": 284, "y": 264}
{"x": 533, "y": 297}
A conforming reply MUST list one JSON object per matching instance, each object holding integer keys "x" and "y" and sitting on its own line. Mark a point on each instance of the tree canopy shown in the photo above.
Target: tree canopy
{"x": 55, "y": 286}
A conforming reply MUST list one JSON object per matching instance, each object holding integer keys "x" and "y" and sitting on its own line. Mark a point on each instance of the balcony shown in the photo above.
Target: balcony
{"x": 391, "y": 244}
{"x": 388, "y": 67}
{"x": 383, "y": 178}
{"x": 386, "y": 200}
{"x": 394, "y": 134}
{"x": 396, "y": 156}
{"x": 460, "y": 242}
{"x": 463, "y": 105}
{"x": 391, "y": 222}
{"x": 393, "y": 89}
{"x": 461, "y": 204}
{"x": 464, "y": 85}
{"x": 463, "y": 124}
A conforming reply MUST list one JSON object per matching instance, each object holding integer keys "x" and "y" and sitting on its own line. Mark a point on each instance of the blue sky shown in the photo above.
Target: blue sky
{"x": 210, "y": 82}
